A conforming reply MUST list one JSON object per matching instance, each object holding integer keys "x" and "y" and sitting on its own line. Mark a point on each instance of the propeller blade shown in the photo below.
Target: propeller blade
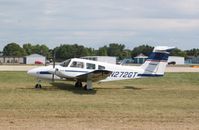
{"x": 53, "y": 76}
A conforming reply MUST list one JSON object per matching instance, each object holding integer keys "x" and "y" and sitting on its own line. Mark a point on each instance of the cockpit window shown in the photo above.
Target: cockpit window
{"x": 77, "y": 64}
{"x": 100, "y": 67}
{"x": 65, "y": 63}
{"x": 90, "y": 66}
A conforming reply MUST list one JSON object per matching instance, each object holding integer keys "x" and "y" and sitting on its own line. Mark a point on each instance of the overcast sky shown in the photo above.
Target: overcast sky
{"x": 95, "y": 23}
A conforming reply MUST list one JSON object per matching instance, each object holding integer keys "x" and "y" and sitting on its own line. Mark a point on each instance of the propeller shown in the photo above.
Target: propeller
{"x": 53, "y": 76}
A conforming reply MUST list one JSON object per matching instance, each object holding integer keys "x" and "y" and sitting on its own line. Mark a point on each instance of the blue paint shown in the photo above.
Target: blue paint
{"x": 156, "y": 56}
{"x": 76, "y": 71}
{"x": 150, "y": 75}
{"x": 44, "y": 72}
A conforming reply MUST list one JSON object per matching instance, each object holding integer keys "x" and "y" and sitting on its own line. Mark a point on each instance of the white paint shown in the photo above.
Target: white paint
{"x": 177, "y": 59}
{"x": 31, "y": 59}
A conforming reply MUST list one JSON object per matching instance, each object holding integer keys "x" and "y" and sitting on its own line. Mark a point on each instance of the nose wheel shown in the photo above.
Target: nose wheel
{"x": 38, "y": 86}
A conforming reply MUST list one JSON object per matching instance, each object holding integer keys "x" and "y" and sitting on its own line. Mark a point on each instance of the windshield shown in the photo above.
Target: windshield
{"x": 65, "y": 63}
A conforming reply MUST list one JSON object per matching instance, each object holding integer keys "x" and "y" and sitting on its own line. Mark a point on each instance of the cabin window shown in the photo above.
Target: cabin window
{"x": 65, "y": 63}
{"x": 77, "y": 64}
{"x": 90, "y": 66}
{"x": 100, "y": 67}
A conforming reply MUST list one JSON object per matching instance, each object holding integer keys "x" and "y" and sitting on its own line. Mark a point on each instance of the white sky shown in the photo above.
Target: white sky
{"x": 95, "y": 23}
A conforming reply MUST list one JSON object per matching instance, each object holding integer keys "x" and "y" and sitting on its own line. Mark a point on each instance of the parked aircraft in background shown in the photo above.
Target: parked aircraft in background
{"x": 81, "y": 70}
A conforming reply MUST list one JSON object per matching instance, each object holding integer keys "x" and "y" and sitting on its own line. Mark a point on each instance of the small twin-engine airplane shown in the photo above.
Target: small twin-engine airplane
{"x": 81, "y": 70}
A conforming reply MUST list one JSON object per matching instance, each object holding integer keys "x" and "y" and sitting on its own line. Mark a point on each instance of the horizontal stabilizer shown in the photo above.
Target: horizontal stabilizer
{"x": 163, "y": 48}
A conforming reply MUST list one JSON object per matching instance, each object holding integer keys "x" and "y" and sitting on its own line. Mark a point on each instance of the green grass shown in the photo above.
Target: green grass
{"x": 173, "y": 98}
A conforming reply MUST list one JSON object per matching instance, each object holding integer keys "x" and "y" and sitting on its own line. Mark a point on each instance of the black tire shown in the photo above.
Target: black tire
{"x": 38, "y": 86}
{"x": 85, "y": 87}
{"x": 78, "y": 84}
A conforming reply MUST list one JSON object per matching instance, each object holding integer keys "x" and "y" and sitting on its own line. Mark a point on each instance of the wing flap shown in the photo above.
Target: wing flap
{"x": 95, "y": 75}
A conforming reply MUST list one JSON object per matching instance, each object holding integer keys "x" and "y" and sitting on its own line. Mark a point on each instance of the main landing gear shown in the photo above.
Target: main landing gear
{"x": 78, "y": 84}
{"x": 87, "y": 86}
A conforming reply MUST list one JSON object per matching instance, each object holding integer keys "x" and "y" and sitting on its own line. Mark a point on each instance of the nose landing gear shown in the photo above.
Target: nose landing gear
{"x": 38, "y": 85}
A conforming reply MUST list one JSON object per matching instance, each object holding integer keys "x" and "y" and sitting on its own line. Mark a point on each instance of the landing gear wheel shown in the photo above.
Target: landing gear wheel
{"x": 85, "y": 87}
{"x": 78, "y": 84}
{"x": 38, "y": 86}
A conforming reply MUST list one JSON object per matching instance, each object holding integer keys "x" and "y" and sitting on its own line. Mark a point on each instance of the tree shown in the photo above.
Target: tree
{"x": 39, "y": 49}
{"x": 115, "y": 49}
{"x": 192, "y": 52}
{"x": 66, "y": 51}
{"x": 28, "y": 48}
{"x": 125, "y": 54}
{"x": 90, "y": 52}
{"x": 79, "y": 50}
{"x": 102, "y": 51}
{"x": 178, "y": 52}
{"x": 62, "y": 52}
{"x": 144, "y": 49}
{"x": 13, "y": 49}
{"x": 44, "y": 50}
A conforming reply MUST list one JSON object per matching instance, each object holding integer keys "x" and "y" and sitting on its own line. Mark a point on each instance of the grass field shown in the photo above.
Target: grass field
{"x": 170, "y": 102}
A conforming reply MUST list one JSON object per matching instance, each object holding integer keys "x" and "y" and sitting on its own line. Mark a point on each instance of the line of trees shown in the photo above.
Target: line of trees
{"x": 66, "y": 51}
{"x": 13, "y": 49}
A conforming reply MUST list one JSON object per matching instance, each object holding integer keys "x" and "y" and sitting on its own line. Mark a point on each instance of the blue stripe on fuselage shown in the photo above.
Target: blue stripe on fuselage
{"x": 141, "y": 75}
{"x": 157, "y": 56}
{"x": 44, "y": 72}
{"x": 150, "y": 75}
{"x": 76, "y": 71}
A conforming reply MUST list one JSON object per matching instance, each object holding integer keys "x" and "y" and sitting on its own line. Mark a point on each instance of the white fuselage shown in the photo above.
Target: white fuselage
{"x": 88, "y": 71}
{"x": 119, "y": 72}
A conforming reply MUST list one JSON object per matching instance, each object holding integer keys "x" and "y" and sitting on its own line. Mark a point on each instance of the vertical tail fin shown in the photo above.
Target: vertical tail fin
{"x": 155, "y": 65}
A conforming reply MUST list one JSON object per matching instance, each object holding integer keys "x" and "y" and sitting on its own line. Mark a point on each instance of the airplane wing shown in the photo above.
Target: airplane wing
{"x": 95, "y": 75}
